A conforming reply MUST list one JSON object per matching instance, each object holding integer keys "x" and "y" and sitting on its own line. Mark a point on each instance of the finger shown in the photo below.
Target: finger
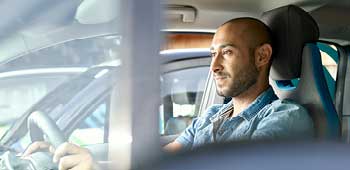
{"x": 68, "y": 162}
{"x": 77, "y": 161}
{"x": 67, "y": 149}
{"x": 35, "y": 147}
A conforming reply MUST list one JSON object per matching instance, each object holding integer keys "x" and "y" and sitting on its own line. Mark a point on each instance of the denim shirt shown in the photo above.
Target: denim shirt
{"x": 267, "y": 117}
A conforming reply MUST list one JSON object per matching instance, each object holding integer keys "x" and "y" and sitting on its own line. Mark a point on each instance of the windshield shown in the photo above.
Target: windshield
{"x": 30, "y": 77}
{"x": 64, "y": 103}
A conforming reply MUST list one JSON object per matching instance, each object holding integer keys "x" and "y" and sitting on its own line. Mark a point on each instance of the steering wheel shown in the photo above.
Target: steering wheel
{"x": 41, "y": 127}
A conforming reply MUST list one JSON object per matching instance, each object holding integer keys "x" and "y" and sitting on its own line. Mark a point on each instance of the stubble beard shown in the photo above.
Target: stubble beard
{"x": 243, "y": 79}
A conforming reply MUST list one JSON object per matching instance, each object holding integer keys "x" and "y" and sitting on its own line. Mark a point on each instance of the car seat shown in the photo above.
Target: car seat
{"x": 297, "y": 72}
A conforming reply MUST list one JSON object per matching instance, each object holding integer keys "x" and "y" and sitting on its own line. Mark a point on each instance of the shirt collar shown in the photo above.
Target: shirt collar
{"x": 265, "y": 98}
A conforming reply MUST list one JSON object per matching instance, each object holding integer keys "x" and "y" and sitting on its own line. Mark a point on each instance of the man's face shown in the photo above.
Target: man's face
{"x": 233, "y": 64}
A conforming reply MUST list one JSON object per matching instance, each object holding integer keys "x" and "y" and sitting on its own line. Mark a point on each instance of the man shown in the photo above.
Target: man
{"x": 241, "y": 58}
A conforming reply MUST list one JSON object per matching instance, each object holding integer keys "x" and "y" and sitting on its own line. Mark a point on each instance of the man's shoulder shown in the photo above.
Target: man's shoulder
{"x": 286, "y": 108}
{"x": 285, "y": 118}
{"x": 287, "y": 105}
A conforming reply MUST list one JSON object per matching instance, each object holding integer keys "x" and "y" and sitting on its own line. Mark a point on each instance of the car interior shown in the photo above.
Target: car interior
{"x": 312, "y": 89}
{"x": 297, "y": 73}
{"x": 291, "y": 76}
{"x": 168, "y": 76}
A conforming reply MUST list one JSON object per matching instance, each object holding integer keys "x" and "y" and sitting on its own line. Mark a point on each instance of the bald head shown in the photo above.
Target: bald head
{"x": 245, "y": 41}
{"x": 252, "y": 31}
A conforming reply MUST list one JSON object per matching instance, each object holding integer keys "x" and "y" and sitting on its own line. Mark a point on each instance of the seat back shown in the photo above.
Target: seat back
{"x": 297, "y": 72}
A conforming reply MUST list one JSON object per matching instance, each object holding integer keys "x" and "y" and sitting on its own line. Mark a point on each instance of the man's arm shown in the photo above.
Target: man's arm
{"x": 70, "y": 156}
{"x": 185, "y": 141}
{"x": 67, "y": 155}
{"x": 172, "y": 147}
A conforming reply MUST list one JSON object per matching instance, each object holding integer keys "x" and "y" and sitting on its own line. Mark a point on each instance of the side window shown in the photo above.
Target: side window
{"x": 181, "y": 92}
{"x": 92, "y": 129}
{"x": 329, "y": 57}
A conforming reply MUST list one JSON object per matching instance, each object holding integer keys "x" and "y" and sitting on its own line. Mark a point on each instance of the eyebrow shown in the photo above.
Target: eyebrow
{"x": 223, "y": 46}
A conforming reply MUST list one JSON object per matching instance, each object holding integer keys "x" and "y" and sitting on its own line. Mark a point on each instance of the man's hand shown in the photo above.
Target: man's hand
{"x": 67, "y": 155}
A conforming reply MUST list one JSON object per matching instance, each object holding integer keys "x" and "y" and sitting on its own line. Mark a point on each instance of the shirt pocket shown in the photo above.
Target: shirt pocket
{"x": 241, "y": 132}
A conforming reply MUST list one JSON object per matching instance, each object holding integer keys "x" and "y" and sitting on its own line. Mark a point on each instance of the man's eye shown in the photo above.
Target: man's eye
{"x": 227, "y": 52}
{"x": 213, "y": 54}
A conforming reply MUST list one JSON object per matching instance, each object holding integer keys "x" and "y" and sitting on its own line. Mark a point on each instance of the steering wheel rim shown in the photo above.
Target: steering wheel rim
{"x": 40, "y": 125}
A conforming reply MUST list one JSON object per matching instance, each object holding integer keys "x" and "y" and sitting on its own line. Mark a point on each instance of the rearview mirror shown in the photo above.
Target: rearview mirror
{"x": 97, "y": 11}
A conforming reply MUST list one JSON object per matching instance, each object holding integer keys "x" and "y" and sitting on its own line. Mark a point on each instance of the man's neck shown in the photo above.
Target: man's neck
{"x": 242, "y": 101}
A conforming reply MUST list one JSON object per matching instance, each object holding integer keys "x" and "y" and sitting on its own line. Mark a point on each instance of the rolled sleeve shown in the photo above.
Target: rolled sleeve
{"x": 187, "y": 137}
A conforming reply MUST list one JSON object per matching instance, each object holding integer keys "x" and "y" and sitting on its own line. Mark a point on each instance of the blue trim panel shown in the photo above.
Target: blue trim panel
{"x": 333, "y": 123}
{"x": 287, "y": 85}
{"x": 330, "y": 82}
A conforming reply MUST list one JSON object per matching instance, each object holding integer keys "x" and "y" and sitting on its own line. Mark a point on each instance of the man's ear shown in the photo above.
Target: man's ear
{"x": 263, "y": 55}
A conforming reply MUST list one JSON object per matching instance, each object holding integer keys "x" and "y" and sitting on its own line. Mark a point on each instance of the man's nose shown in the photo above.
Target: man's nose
{"x": 216, "y": 63}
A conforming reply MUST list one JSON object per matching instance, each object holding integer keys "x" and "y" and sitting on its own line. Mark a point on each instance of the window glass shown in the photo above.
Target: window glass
{"x": 91, "y": 129}
{"x": 72, "y": 100}
{"x": 26, "y": 79}
{"x": 181, "y": 92}
{"x": 29, "y": 77}
{"x": 27, "y": 90}
{"x": 45, "y": 49}
{"x": 83, "y": 52}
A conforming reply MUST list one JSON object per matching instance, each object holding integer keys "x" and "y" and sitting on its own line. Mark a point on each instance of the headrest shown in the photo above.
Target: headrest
{"x": 291, "y": 28}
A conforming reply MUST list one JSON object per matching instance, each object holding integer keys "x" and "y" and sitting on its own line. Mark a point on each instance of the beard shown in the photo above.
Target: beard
{"x": 243, "y": 78}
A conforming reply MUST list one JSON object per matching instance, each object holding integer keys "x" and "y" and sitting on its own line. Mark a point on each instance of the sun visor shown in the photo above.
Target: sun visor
{"x": 291, "y": 28}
